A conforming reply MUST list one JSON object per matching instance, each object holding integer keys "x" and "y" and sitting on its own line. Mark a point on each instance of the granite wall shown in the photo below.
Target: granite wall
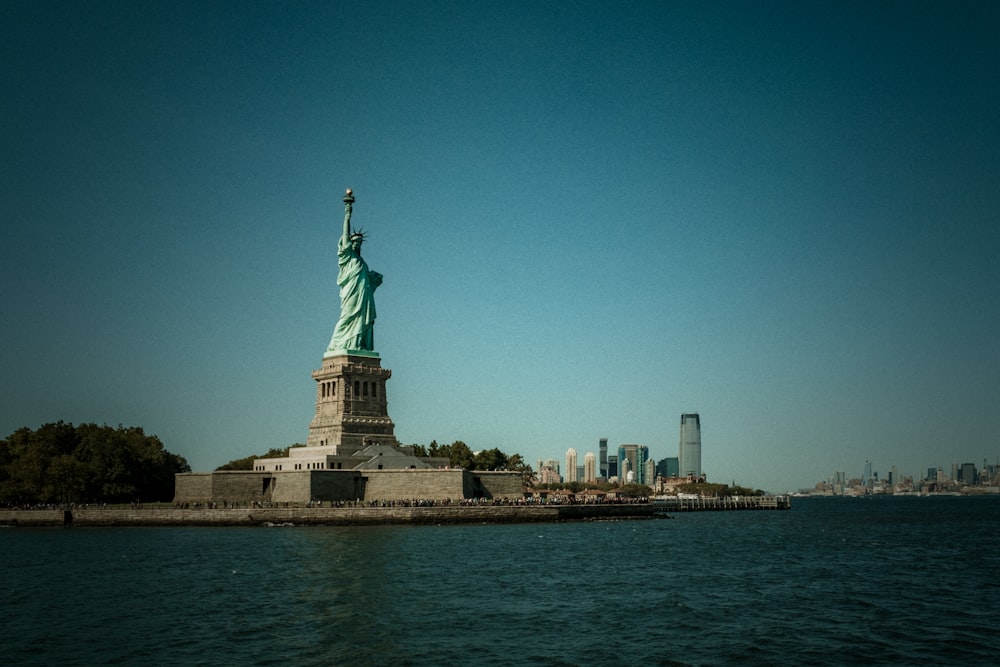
{"x": 302, "y": 486}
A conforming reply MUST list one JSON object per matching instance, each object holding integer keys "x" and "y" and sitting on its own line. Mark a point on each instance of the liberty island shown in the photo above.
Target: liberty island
{"x": 351, "y": 453}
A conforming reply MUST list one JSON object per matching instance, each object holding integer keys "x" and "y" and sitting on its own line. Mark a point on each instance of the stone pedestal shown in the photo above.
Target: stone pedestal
{"x": 351, "y": 406}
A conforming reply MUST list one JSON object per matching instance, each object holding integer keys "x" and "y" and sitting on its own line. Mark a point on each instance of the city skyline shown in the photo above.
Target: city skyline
{"x": 865, "y": 469}
{"x": 590, "y": 219}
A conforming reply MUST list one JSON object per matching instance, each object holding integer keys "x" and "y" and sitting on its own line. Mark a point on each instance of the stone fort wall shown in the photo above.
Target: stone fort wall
{"x": 303, "y": 486}
{"x": 501, "y": 484}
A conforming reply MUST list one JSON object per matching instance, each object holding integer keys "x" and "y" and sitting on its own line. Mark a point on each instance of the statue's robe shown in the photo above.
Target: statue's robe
{"x": 355, "y": 328}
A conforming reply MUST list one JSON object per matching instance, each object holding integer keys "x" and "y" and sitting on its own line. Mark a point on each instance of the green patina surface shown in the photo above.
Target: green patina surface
{"x": 355, "y": 330}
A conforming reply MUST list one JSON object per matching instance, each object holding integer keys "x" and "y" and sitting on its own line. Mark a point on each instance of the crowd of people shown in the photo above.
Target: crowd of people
{"x": 425, "y": 502}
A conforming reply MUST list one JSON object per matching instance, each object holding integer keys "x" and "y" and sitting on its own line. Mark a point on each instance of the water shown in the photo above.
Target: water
{"x": 885, "y": 581}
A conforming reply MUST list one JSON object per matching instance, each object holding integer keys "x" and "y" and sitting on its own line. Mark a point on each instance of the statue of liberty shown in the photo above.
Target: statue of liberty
{"x": 355, "y": 328}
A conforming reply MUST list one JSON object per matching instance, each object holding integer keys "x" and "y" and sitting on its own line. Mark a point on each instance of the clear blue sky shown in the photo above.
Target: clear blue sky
{"x": 592, "y": 217}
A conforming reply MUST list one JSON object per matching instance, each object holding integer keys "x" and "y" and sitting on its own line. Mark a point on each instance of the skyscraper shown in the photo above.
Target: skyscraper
{"x": 690, "y": 445}
{"x": 589, "y": 468}
{"x": 603, "y": 453}
{"x": 571, "y": 465}
{"x": 967, "y": 473}
{"x": 626, "y": 475}
{"x": 667, "y": 467}
{"x": 637, "y": 455}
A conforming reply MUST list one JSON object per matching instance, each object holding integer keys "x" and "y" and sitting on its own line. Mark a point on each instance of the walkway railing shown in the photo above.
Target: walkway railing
{"x": 682, "y": 504}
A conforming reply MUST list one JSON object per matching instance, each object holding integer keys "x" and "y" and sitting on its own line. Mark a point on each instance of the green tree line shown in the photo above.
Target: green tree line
{"x": 246, "y": 463}
{"x": 63, "y": 463}
{"x": 634, "y": 490}
{"x": 460, "y": 455}
{"x": 708, "y": 490}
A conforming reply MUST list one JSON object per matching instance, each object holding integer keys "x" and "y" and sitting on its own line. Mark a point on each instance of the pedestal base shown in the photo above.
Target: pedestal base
{"x": 351, "y": 405}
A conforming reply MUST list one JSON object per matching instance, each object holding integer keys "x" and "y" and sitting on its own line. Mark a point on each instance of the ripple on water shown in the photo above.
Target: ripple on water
{"x": 882, "y": 582}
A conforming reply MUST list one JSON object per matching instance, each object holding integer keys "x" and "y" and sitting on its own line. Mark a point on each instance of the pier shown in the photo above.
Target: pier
{"x": 695, "y": 504}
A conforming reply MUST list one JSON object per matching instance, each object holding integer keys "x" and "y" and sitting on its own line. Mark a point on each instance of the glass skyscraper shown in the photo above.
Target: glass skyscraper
{"x": 690, "y": 446}
{"x": 636, "y": 455}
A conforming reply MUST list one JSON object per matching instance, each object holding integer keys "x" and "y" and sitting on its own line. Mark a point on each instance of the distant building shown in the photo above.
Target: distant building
{"x": 967, "y": 474}
{"x": 571, "y": 465}
{"x": 548, "y": 472}
{"x": 625, "y": 473}
{"x": 603, "y": 453}
{"x": 612, "y": 466}
{"x": 637, "y": 456}
{"x": 690, "y": 445}
{"x": 668, "y": 467}
{"x": 838, "y": 482}
{"x": 590, "y": 467}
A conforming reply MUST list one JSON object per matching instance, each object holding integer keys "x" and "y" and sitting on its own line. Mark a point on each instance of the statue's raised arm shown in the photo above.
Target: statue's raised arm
{"x": 355, "y": 330}
{"x": 348, "y": 207}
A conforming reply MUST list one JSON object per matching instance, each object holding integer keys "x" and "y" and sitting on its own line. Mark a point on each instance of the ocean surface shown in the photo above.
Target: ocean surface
{"x": 833, "y": 581}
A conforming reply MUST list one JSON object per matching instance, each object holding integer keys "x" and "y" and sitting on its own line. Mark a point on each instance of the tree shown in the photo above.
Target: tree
{"x": 635, "y": 491}
{"x": 29, "y": 454}
{"x": 708, "y": 490}
{"x": 736, "y": 490}
{"x": 515, "y": 463}
{"x": 246, "y": 463}
{"x": 67, "y": 479}
{"x": 65, "y": 463}
{"x": 459, "y": 455}
{"x": 490, "y": 459}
